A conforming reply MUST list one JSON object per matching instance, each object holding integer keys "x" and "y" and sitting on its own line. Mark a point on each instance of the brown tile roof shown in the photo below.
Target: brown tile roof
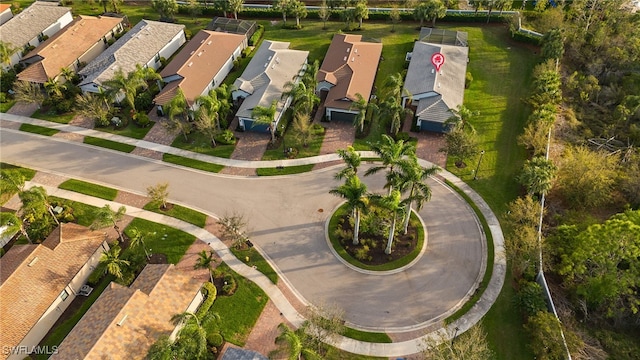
{"x": 350, "y": 65}
{"x": 159, "y": 292}
{"x": 33, "y": 276}
{"x": 66, "y": 46}
{"x": 199, "y": 61}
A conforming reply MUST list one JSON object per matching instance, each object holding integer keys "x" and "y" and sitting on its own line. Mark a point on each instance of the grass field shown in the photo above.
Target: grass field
{"x": 200, "y": 143}
{"x": 108, "y": 144}
{"x": 252, "y": 257}
{"x": 192, "y": 163}
{"x": 52, "y": 116}
{"x": 84, "y": 214}
{"x": 180, "y": 212}
{"x": 90, "y": 189}
{"x": 40, "y": 130}
{"x": 132, "y": 130}
{"x": 285, "y": 170}
{"x": 164, "y": 240}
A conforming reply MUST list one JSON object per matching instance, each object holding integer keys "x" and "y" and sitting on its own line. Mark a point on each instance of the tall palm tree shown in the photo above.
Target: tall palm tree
{"x": 105, "y": 216}
{"x": 461, "y": 117}
{"x": 129, "y": 84}
{"x": 111, "y": 263}
{"x": 355, "y": 193}
{"x": 304, "y": 98}
{"x": 291, "y": 342}
{"x": 68, "y": 74}
{"x": 393, "y": 87}
{"x": 178, "y": 111}
{"x": 13, "y": 223}
{"x": 266, "y": 115}
{"x": 395, "y": 206}
{"x": 209, "y": 107}
{"x": 224, "y": 100}
{"x": 413, "y": 177}
{"x": 302, "y": 127}
{"x": 361, "y": 105}
{"x": 310, "y": 76}
{"x": 54, "y": 88}
{"x": 352, "y": 159}
{"x": 205, "y": 261}
{"x": 392, "y": 110}
{"x": 392, "y": 153}
{"x": 11, "y": 181}
{"x": 137, "y": 239}
{"x": 192, "y": 338}
{"x": 36, "y": 200}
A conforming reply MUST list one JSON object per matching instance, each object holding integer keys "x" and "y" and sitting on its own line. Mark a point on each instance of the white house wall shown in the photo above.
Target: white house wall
{"x": 173, "y": 45}
{"x": 65, "y": 20}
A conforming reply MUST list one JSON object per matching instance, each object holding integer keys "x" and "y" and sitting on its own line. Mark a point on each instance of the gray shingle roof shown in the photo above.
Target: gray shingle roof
{"x": 233, "y": 353}
{"x": 138, "y": 46}
{"x": 271, "y": 67}
{"x": 31, "y": 22}
{"x": 448, "y": 84}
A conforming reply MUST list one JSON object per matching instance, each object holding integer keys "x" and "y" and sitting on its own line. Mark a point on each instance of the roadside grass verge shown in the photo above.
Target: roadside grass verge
{"x": 83, "y": 213}
{"x": 240, "y": 311}
{"x": 333, "y": 224}
{"x": 52, "y": 116}
{"x": 4, "y": 107}
{"x": 179, "y": 212}
{"x": 372, "y": 337}
{"x": 284, "y": 170}
{"x": 199, "y": 143}
{"x": 131, "y": 130}
{"x": 171, "y": 242}
{"x": 57, "y": 334}
{"x": 11, "y": 171}
{"x": 192, "y": 163}
{"x": 40, "y": 130}
{"x": 252, "y": 257}
{"x": 90, "y": 189}
{"x": 108, "y": 144}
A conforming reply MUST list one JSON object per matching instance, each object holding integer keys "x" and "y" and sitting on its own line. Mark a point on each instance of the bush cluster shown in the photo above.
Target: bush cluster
{"x": 255, "y": 38}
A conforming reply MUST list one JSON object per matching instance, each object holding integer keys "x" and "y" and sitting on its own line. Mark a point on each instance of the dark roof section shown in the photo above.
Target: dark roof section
{"x": 242, "y": 27}
{"x": 234, "y": 353}
{"x": 443, "y": 37}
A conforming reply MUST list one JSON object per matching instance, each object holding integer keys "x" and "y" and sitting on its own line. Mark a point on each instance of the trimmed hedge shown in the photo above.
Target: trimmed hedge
{"x": 255, "y": 38}
{"x": 210, "y": 292}
{"x": 526, "y": 38}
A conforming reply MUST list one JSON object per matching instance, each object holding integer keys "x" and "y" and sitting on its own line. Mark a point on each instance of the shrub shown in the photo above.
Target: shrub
{"x": 230, "y": 285}
{"x": 404, "y": 136}
{"x": 343, "y": 235}
{"x": 226, "y": 138}
{"x": 111, "y": 41}
{"x": 143, "y": 101}
{"x": 214, "y": 339}
{"x": 63, "y": 106}
{"x": 141, "y": 119}
{"x": 530, "y": 298}
{"x": 255, "y": 38}
{"x": 3, "y": 97}
{"x": 363, "y": 253}
{"x": 467, "y": 80}
{"x": 210, "y": 292}
{"x": 7, "y": 78}
{"x": 246, "y": 52}
{"x": 187, "y": 34}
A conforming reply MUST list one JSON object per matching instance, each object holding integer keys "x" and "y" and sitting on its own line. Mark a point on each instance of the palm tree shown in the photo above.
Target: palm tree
{"x": 129, "y": 84}
{"x": 361, "y": 105}
{"x": 292, "y": 342}
{"x": 355, "y": 193}
{"x": 178, "y": 111}
{"x": 162, "y": 349}
{"x": 392, "y": 109}
{"x": 28, "y": 92}
{"x": 224, "y": 100}
{"x": 461, "y": 117}
{"x": 93, "y": 107}
{"x": 54, "y": 88}
{"x": 537, "y": 175}
{"x": 209, "y": 107}
{"x": 392, "y": 153}
{"x": 111, "y": 263}
{"x": 11, "y": 181}
{"x": 137, "y": 239}
{"x": 304, "y": 98}
{"x": 413, "y": 177}
{"x": 13, "y": 223}
{"x": 395, "y": 206}
{"x": 68, "y": 74}
{"x": 105, "y": 216}
{"x": 36, "y": 201}
{"x": 310, "y": 76}
{"x": 352, "y": 159}
{"x": 205, "y": 261}
{"x": 393, "y": 87}
{"x": 265, "y": 115}
{"x": 6, "y": 52}
{"x": 192, "y": 338}
{"x": 303, "y": 130}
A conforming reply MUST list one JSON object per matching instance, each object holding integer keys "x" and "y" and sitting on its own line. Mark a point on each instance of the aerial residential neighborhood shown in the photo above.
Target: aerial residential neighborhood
{"x": 431, "y": 179}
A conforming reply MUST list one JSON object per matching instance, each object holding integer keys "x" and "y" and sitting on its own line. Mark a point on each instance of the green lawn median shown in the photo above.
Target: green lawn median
{"x": 90, "y": 189}
{"x": 108, "y": 144}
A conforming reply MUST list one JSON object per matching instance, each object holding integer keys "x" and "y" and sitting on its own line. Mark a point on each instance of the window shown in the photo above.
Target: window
{"x": 158, "y": 57}
{"x": 64, "y": 295}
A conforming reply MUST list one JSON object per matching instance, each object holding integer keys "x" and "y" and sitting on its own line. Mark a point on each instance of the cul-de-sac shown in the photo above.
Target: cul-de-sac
{"x": 320, "y": 179}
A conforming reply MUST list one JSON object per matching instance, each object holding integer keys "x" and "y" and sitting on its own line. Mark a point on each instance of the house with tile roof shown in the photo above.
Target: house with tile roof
{"x": 125, "y": 321}
{"x": 79, "y": 42}
{"x": 5, "y": 13}
{"x": 32, "y": 25}
{"x": 39, "y": 281}
{"x": 144, "y": 44}
{"x": 431, "y": 93}
{"x": 264, "y": 79}
{"x": 349, "y": 68}
{"x": 200, "y": 66}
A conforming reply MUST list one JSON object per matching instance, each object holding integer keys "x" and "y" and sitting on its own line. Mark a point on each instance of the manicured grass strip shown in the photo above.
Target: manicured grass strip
{"x": 163, "y": 240}
{"x": 40, "y": 130}
{"x": 239, "y": 312}
{"x": 61, "y": 331}
{"x": 372, "y": 337}
{"x": 113, "y": 145}
{"x": 52, "y": 116}
{"x": 255, "y": 259}
{"x": 285, "y": 170}
{"x": 199, "y": 143}
{"x": 192, "y": 163}
{"x": 490, "y": 258}
{"x": 131, "y": 130}
{"x": 90, "y": 189}
{"x": 179, "y": 212}
{"x": 83, "y": 213}
{"x": 333, "y": 224}
{"x": 312, "y": 148}
{"x": 4, "y": 107}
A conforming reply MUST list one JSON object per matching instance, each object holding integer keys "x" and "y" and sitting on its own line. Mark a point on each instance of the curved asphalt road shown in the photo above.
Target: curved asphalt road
{"x": 286, "y": 218}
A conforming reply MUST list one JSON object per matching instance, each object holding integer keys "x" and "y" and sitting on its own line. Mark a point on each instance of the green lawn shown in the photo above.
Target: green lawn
{"x": 40, "y": 130}
{"x": 164, "y": 239}
{"x": 61, "y": 331}
{"x": 132, "y": 130}
{"x": 252, "y": 257}
{"x": 180, "y": 212}
{"x": 90, "y": 189}
{"x": 4, "y": 107}
{"x": 367, "y": 336}
{"x": 52, "y": 116}
{"x": 28, "y": 174}
{"x": 285, "y": 170}
{"x": 239, "y": 312}
{"x": 290, "y": 141}
{"x": 83, "y": 213}
{"x": 199, "y": 143}
{"x": 192, "y": 163}
{"x": 113, "y": 145}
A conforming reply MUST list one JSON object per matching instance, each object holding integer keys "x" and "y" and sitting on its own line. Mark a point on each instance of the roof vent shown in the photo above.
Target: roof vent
{"x": 191, "y": 53}
{"x": 355, "y": 51}
{"x": 209, "y": 43}
{"x": 201, "y": 41}
{"x": 191, "y": 63}
{"x": 122, "y": 320}
{"x": 33, "y": 262}
{"x": 348, "y": 49}
{"x": 353, "y": 59}
{"x": 432, "y": 71}
{"x": 200, "y": 53}
{"x": 345, "y": 58}
{"x": 269, "y": 58}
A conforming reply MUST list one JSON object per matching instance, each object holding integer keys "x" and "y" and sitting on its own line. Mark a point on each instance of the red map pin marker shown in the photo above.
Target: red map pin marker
{"x": 437, "y": 60}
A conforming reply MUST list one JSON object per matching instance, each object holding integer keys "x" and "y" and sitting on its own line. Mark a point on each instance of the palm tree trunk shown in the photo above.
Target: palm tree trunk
{"x": 53, "y": 215}
{"x": 392, "y": 231}
{"x": 117, "y": 229}
{"x": 235, "y": 15}
{"x": 23, "y": 231}
{"x": 356, "y": 227}
{"x": 407, "y": 217}
{"x": 433, "y": 22}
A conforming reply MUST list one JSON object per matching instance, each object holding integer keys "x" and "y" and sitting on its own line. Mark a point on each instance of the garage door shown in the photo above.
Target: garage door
{"x": 432, "y": 126}
{"x": 341, "y": 116}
